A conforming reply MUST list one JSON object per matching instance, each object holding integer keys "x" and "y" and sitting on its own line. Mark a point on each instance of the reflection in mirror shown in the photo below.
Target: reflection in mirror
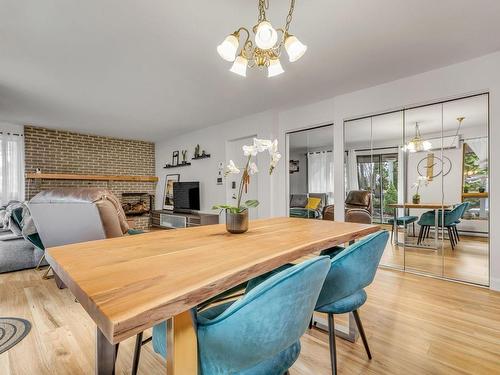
{"x": 426, "y": 166}
{"x": 427, "y": 172}
{"x": 311, "y": 174}
{"x": 466, "y": 257}
{"x": 372, "y": 162}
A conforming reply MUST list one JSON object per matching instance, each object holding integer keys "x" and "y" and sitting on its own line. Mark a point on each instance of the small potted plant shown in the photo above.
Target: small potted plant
{"x": 237, "y": 215}
{"x": 421, "y": 180}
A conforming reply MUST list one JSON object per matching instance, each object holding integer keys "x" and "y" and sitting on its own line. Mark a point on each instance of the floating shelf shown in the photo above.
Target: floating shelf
{"x": 475, "y": 195}
{"x": 177, "y": 166}
{"x": 206, "y": 156}
{"x": 88, "y": 177}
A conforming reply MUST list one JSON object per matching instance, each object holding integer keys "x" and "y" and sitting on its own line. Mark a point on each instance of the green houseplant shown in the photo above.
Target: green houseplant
{"x": 237, "y": 215}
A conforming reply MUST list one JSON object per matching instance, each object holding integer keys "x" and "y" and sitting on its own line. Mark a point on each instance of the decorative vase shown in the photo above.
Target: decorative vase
{"x": 237, "y": 222}
{"x": 482, "y": 189}
{"x": 416, "y": 199}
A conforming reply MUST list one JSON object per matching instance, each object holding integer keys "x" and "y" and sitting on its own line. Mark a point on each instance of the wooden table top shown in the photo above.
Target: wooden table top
{"x": 131, "y": 283}
{"x": 430, "y": 206}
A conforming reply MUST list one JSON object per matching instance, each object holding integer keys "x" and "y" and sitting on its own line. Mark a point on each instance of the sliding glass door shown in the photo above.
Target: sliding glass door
{"x": 427, "y": 170}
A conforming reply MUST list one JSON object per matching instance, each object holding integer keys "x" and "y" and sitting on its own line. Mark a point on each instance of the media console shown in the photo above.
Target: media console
{"x": 172, "y": 220}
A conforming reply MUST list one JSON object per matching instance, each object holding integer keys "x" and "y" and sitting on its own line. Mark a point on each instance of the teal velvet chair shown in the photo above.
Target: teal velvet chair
{"x": 451, "y": 219}
{"x": 258, "y": 334}
{"x": 351, "y": 270}
{"x": 34, "y": 239}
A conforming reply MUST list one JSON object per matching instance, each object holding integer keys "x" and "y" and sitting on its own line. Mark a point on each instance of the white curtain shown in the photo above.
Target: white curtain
{"x": 11, "y": 167}
{"x": 320, "y": 173}
{"x": 352, "y": 167}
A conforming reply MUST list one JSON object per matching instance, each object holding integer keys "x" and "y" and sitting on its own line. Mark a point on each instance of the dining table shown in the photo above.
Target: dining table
{"x": 436, "y": 207}
{"x": 131, "y": 283}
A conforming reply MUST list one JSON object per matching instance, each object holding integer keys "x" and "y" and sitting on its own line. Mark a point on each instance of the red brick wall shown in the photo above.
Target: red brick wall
{"x": 55, "y": 151}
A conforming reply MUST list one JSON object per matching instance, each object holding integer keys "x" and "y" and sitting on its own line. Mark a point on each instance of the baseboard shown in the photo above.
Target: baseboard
{"x": 495, "y": 284}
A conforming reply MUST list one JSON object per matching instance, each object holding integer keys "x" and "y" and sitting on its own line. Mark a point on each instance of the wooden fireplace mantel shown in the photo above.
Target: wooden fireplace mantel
{"x": 89, "y": 177}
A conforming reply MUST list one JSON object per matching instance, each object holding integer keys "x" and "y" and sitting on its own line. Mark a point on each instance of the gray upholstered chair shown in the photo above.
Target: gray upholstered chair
{"x": 71, "y": 215}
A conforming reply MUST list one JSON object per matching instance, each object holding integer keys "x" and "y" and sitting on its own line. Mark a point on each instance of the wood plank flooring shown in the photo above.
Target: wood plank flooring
{"x": 414, "y": 324}
{"x": 468, "y": 262}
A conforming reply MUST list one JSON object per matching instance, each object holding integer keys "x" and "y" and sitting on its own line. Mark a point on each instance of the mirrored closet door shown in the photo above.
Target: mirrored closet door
{"x": 311, "y": 173}
{"x": 426, "y": 169}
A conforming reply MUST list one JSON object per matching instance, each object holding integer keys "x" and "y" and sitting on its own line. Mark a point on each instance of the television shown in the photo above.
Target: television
{"x": 186, "y": 196}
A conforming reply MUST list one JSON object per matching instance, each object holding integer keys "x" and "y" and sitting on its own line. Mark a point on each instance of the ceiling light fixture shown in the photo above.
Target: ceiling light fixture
{"x": 268, "y": 45}
{"x": 417, "y": 143}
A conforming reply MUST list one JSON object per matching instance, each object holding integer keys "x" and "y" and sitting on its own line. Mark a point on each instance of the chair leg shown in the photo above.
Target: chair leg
{"x": 137, "y": 353}
{"x": 420, "y": 232}
{"x": 452, "y": 241}
{"x": 362, "y": 333}
{"x": 37, "y": 268}
{"x": 413, "y": 229}
{"x": 392, "y": 234}
{"x": 46, "y": 275}
{"x": 333, "y": 348}
{"x": 456, "y": 233}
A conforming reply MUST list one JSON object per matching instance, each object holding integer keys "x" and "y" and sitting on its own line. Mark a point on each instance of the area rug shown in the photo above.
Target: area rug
{"x": 12, "y": 331}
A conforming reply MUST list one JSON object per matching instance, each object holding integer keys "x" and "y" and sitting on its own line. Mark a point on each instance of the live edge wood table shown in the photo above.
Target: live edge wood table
{"x": 131, "y": 283}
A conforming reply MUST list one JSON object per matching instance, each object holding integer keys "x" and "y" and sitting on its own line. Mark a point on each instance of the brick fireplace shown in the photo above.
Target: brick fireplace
{"x": 56, "y": 151}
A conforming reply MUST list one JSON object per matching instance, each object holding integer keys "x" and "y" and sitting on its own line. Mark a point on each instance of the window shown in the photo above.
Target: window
{"x": 11, "y": 167}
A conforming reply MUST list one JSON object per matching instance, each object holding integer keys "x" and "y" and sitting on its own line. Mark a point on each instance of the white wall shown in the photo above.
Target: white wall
{"x": 298, "y": 180}
{"x": 473, "y": 76}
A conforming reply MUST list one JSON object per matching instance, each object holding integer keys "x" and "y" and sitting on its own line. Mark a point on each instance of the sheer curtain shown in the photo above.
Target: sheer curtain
{"x": 11, "y": 167}
{"x": 320, "y": 173}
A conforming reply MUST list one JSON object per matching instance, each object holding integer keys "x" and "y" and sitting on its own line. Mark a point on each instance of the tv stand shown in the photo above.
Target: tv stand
{"x": 171, "y": 220}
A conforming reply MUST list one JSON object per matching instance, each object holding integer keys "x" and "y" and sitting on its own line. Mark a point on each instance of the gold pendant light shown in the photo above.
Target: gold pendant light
{"x": 266, "y": 49}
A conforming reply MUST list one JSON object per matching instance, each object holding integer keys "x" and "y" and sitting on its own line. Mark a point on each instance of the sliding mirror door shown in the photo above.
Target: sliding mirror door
{"x": 465, "y": 137}
{"x": 311, "y": 173}
{"x": 427, "y": 171}
{"x": 373, "y": 158}
{"x": 426, "y": 165}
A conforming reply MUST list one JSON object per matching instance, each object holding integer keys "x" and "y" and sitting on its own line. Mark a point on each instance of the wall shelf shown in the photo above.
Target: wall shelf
{"x": 206, "y": 156}
{"x": 176, "y": 166}
{"x": 88, "y": 177}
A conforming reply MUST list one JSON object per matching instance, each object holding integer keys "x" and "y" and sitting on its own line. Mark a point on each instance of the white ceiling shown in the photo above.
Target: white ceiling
{"x": 149, "y": 69}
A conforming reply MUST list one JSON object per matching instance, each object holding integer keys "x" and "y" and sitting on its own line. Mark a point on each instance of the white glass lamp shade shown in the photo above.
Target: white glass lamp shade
{"x": 265, "y": 35}
{"x": 294, "y": 48}
{"x": 274, "y": 68}
{"x": 240, "y": 66}
{"x": 426, "y": 145}
{"x": 228, "y": 48}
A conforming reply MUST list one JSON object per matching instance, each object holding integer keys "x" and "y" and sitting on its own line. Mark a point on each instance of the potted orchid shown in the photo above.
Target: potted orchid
{"x": 421, "y": 180}
{"x": 237, "y": 215}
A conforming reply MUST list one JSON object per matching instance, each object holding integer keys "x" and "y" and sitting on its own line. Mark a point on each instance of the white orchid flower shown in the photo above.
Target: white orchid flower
{"x": 253, "y": 168}
{"x": 262, "y": 144}
{"x": 232, "y": 168}
{"x": 275, "y": 158}
{"x": 250, "y": 150}
{"x": 273, "y": 148}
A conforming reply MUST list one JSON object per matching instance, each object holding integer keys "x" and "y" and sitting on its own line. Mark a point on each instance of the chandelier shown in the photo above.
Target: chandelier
{"x": 417, "y": 143}
{"x": 267, "y": 48}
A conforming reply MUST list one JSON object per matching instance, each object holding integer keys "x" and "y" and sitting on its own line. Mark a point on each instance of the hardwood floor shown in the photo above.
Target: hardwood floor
{"x": 468, "y": 262}
{"x": 414, "y": 324}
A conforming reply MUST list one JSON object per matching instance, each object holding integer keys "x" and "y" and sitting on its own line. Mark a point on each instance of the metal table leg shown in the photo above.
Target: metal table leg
{"x": 349, "y": 332}
{"x": 105, "y": 357}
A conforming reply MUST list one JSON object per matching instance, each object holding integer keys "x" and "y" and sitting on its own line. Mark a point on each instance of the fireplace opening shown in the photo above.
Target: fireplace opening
{"x": 137, "y": 203}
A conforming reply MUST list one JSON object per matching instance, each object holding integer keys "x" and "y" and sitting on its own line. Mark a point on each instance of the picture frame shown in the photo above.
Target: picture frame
{"x": 168, "y": 192}
{"x": 294, "y": 166}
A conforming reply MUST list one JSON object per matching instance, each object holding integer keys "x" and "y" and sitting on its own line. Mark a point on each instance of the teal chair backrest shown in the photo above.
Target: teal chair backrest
{"x": 454, "y": 215}
{"x": 353, "y": 268}
{"x": 34, "y": 239}
{"x": 266, "y": 321}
